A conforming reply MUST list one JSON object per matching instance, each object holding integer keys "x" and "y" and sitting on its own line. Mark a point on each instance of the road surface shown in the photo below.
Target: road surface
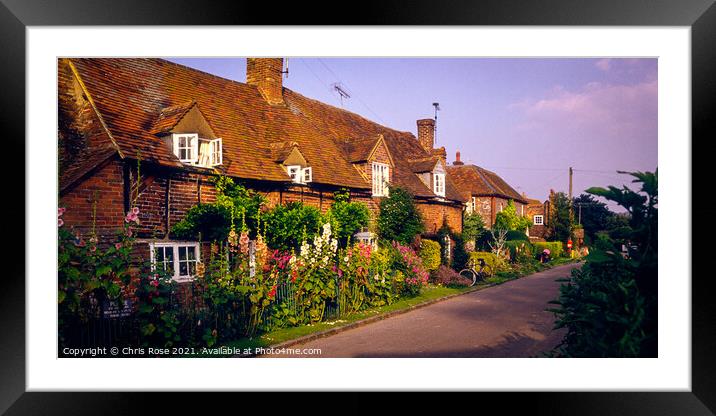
{"x": 508, "y": 320}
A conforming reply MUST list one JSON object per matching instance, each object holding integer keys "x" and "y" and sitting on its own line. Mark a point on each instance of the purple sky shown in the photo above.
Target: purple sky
{"x": 529, "y": 120}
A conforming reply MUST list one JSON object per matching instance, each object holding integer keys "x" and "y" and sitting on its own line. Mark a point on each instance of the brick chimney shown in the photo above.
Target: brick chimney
{"x": 267, "y": 75}
{"x": 457, "y": 161}
{"x": 426, "y": 134}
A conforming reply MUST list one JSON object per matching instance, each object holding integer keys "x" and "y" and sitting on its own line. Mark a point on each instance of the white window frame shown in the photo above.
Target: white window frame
{"x": 175, "y": 246}
{"x": 215, "y": 149}
{"x": 296, "y": 175}
{"x": 439, "y": 184}
{"x": 380, "y": 178}
{"x": 536, "y": 222}
{"x": 306, "y": 175}
{"x": 192, "y": 148}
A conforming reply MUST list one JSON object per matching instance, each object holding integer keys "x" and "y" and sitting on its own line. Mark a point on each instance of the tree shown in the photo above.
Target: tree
{"x": 399, "y": 219}
{"x": 507, "y": 219}
{"x": 594, "y": 215}
{"x": 473, "y": 226}
{"x": 560, "y": 221}
{"x": 609, "y": 306}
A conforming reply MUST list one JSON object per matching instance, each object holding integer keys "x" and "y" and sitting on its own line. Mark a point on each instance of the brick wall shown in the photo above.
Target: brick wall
{"x": 434, "y": 215}
{"x": 105, "y": 188}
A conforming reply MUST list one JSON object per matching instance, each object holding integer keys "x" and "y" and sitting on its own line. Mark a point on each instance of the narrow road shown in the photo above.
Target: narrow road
{"x": 508, "y": 320}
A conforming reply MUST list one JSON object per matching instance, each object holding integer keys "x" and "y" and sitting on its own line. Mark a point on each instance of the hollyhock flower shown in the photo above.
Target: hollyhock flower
{"x": 60, "y": 222}
{"x": 60, "y": 211}
{"x": 272, "y": 292}
{"x": 93, "y": 249}
{"x": 244, "y": 242}
{"x": 233, "y": 238}
{"x": 154, "y": 283}
{"x": 117, "y": 245}
{"x": 135, "y": 210}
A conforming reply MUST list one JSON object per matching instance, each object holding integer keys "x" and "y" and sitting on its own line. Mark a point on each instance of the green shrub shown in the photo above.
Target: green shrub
{"x": 520, "y": 250}
{"x": 491, "y": 260}
{"x": 399, "y": 219}
{"x": 346, "y": 217}
{"x": 244, "y": 204}
{"x": 212, "y": 221}
{"x": 288, "y": 225}
{"x": 459, "y": 255}
{"x": 517, "y": 235}
{"x": 430, "y": 254}
{"x": 555, "y": 248}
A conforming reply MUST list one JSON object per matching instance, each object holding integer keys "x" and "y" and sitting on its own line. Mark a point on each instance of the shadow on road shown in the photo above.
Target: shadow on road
{"x": 512, "y": 345}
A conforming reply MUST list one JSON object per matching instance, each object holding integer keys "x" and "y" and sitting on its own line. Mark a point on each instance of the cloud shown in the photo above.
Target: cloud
{"x": 597, "y": 109}
{"x": 603, "y": 64}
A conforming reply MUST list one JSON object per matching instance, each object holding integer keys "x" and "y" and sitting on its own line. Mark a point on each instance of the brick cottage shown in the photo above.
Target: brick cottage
{"x": 180, "y": 127}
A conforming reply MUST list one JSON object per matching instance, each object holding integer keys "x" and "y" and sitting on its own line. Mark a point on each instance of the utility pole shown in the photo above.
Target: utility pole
{"x": 570, "y": 184}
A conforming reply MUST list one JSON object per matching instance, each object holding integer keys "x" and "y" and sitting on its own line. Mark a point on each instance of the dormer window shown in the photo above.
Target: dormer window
{"x": 381, "y": 179}
{"x": 439, "y": 184}
{"x": 198, "y": 151}
{"x": 299, "y": 174}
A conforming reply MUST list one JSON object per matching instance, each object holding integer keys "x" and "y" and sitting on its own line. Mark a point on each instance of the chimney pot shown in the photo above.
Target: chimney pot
{"x": 267, "y": 75}
{"x": 457, "y": 161}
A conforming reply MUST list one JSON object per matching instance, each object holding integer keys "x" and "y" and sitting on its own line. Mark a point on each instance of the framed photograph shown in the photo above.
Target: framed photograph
{"x": 461, "y": 201}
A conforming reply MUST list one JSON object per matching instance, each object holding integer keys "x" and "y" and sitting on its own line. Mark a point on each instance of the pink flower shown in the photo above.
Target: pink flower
{"x": 154, "y": 283}
{"x": 93, "y": 249}
{"x": 132, "y": 216}
{"x": 60, "y": 222}
{"x": 135, "y": 211}
{"x": 117, "y": 245}
{"x": 60, "y": 211}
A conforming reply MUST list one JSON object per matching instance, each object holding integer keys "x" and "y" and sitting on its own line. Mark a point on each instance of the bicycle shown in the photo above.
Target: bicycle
{"x": 472, "y": 275}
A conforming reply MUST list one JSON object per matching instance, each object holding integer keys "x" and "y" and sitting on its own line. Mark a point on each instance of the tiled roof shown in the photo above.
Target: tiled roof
{"x": 139, "y": 97}
{"x": 482, "y": 182}
{"x": 424, "y": 165}
{"x": 281, "y": 150}
{"x": 358, "y": 149}
{"x": 170, "y": 116}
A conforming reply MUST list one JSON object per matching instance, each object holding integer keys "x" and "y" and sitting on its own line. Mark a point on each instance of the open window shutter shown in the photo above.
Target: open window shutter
{"x": 307, "y": 175}
{"x": 195, "y": 147}
{"x": 175, "y": 144}
{"x": 216, "y": 152}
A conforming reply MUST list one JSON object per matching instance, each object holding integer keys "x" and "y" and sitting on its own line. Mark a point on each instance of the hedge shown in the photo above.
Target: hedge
{"x": 525, "y": 248}
{"x": 516, "y": 235}
{"x": 555, "y": 248}
{"x": 430, "y": 254}
{"x": 491, "y": 260}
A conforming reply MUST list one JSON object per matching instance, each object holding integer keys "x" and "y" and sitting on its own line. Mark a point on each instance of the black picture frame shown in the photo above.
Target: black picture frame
{"x": 700, "y": 15}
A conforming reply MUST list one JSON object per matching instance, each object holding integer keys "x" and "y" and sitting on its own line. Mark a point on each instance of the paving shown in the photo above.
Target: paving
{"x": 507, "y": 320}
